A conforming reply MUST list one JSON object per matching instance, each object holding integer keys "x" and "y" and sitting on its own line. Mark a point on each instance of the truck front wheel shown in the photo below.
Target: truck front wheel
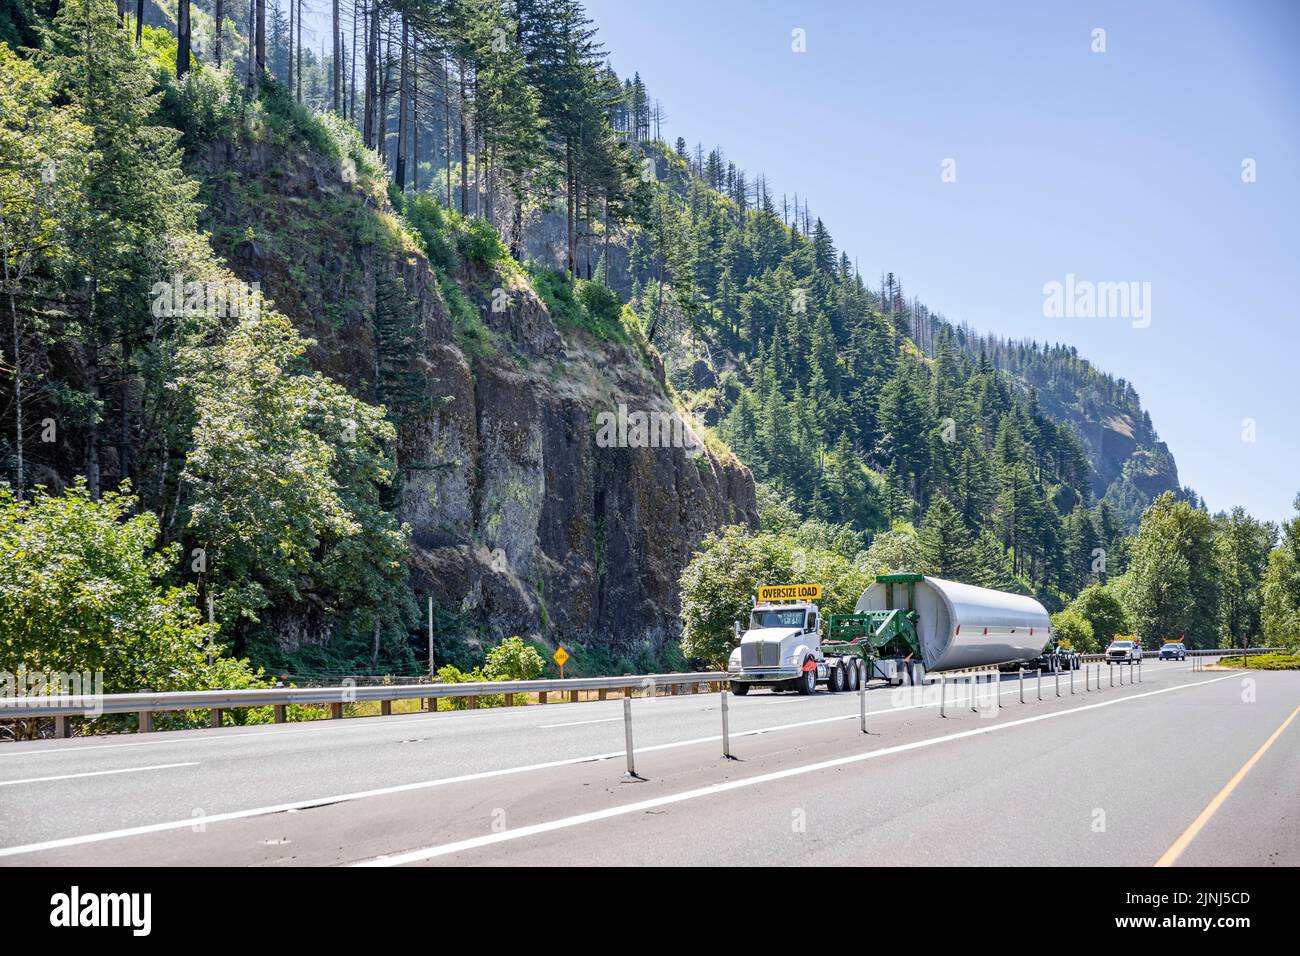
{"x": 806, "y": 683}
{"x": 739, "y": 689}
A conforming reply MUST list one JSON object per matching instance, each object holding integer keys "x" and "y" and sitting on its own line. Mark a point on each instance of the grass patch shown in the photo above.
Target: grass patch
{"x": 1265, "y": 662}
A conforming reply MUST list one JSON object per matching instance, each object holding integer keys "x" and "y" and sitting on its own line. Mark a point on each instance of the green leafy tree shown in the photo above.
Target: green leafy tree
{"x": 1071, "y": 628}
{"x": 512, "y": 659}
{"x": 718, "y": 586}
{"x": 1101, "y": 606}
{"x": 82, "y": 588}
{"x": 1173, "y": 591}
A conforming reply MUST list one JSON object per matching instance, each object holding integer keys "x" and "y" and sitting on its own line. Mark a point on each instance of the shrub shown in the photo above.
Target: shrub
{"x": 479, "y": 242}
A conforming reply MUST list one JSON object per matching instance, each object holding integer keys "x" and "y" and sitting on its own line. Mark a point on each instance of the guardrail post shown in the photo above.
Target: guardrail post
{"x": 279, "y": 713}
{"x": 862, "y": 706}
{"x": 510, "y": 700}
{"x": 943, "y": 689}
{"x": 1022, "y": 685}
{"x": 602, "y": 694}
{"x": 385, "y": 708}
{"x": 573, "y": 697}
{"x": 146, "y": 721}
{"x": 336, "y": 710}
{"x": 541, "y": 697}
{"x": 214, "y": 717}
{"x": 627, "y": 735}
{"x": 726, "y": 728}
{"x": 62, "y": 726}
{"x": 473, "y": 702}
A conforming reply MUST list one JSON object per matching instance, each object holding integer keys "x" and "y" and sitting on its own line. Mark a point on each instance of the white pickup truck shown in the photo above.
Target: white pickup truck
{"x": 1123, "y": 651}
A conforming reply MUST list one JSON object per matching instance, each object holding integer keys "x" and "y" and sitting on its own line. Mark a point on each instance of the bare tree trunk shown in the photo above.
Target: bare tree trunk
{"x": 446, "y": 126}
{"x": 403, "y": 105}
{"x": 288, "y": 63}
{"x": 182, "y": 38}
{"x": 570, "y": 265}
{"x": 259, "y": 67}
{"x": 219, "y": 14}
{"x": 415, "y": 115}
{"x": 367, "y": 106}
{"x": 464, "y": 146}
{"x": 337, "y": 40}
{"x": 298, "y": 71}
{"x": 19, "y": 422}
{"x": 139, "y": 20}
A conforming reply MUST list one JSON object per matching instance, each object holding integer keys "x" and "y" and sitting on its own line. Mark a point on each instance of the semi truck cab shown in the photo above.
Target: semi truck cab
{"x": 777, "y": 649}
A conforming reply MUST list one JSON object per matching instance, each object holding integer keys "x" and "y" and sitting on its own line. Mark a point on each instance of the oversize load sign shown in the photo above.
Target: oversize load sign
{"x": 790, "y": 592}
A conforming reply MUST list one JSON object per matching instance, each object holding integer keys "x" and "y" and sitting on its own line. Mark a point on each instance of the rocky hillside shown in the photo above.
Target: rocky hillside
{"x": 520, "y": 523}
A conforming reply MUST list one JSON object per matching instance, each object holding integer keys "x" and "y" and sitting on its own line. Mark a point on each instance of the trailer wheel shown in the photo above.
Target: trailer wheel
{"x": 806, "y": 683}
{"x": 851, "y": 676}
{"x": 739, "y": 689}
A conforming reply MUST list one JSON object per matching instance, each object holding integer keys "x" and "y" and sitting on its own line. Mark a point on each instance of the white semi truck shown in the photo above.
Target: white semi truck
{"x": 903, "y": 623}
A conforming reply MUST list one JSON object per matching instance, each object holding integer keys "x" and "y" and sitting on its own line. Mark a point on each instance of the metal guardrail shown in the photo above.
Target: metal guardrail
{"x": 147, "y": 704}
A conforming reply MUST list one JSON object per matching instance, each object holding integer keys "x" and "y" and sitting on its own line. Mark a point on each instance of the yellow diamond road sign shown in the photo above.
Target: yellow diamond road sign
{"x": 561, "y": 656}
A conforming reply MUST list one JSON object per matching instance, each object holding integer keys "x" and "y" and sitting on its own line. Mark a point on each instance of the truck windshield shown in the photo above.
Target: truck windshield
{"x": 792, "y": 617}
{"x": 1122, "y": 644}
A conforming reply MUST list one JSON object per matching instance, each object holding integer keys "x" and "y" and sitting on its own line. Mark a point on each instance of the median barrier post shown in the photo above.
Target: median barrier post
{"x": 1040, "y": 682}
{"x": 627, "y": 735}
{"x": 1071, "y": 681}
{"x": 997, "y": 679}
{"x": 973, "y": 685}
{"x": 943, "y": 687}
{"x": 1022, "y": 685}
{"x": 1057, "y": 676}
{"x": 862, "y": 706}
{"x": 726, "y": 730}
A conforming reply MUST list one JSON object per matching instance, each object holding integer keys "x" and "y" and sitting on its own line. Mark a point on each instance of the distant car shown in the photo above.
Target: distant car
{"x": 1173, "y": 652}
{"x": 1123, "y": 652}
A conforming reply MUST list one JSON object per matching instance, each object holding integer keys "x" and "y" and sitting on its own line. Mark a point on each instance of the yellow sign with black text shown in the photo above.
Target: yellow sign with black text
{"x": 790, "y": 592}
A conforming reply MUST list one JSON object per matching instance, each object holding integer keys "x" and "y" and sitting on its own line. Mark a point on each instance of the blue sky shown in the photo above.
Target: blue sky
{"x": 1117, "y": 166}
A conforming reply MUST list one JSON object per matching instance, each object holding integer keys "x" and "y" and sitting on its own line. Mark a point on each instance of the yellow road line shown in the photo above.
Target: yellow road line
{"x": 1176, "y": 849}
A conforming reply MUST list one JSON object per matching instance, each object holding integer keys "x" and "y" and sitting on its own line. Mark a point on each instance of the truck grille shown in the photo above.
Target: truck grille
{"x": 760, "y": 654}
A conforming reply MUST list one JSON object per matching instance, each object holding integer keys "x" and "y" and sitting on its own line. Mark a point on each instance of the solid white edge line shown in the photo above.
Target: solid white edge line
{"x": 460, "y": 846}
{"x": 309, "y": 803}
{"x": 97, "y": 773}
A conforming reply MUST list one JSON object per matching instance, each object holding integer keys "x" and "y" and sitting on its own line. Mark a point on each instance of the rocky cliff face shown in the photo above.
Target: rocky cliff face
{"x": 521, "y": 522}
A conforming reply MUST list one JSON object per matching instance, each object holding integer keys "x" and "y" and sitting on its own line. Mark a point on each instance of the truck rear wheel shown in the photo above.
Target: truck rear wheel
{"x": 852, "y": 676}
{"x": 739, "y": 689}
{"x": 806, "y": 683}
{"x": 835, "y": 679}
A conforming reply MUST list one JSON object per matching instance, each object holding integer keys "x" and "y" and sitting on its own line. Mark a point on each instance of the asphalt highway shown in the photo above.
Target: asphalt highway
{"x": 1184, "y": 768}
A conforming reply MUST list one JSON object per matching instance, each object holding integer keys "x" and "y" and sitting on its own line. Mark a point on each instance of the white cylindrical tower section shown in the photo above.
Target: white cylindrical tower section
{"x": 961, "y": 625}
